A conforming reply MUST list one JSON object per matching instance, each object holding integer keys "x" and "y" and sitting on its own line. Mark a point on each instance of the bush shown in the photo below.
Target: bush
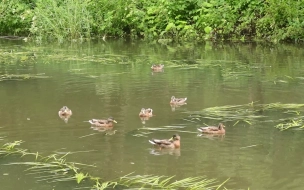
{"x": 154, "y": 19}
{"x": 15, "y": 17}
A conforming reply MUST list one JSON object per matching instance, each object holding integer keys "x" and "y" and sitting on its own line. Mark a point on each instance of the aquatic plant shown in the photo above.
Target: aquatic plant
{"x": 252, "y": 113}
{"x": 291, "y": 123}
{"x": 236, "y": 113}
{"x": 6, "y": 77}
{"x": 55, "y": 168}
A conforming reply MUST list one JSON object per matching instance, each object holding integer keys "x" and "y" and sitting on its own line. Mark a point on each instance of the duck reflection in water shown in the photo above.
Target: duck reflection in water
{"x": 212, "y": 136}
{"x": 106, "y": 130}
{"x": 144, "y": 119}
{"x": 174, "y": 106}
{"x": 170, "y": 151}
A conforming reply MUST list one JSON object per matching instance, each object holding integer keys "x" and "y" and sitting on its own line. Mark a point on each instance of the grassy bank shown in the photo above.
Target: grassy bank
{"x": 175, "y": 20}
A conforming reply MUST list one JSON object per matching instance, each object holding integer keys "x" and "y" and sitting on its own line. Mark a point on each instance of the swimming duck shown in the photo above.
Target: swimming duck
{"x": 157, "y": 67}
{"x": 145, "y": 112}
{"x": 213, "y": 130}
{"x": 103, "y": 122}
{"x": 179, "y": 101}
{"x": 65, "y": 111}
{"x": 173, "y": 142}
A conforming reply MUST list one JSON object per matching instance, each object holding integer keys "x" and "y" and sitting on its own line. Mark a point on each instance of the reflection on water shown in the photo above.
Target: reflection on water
{"x": 65, "y": 118}
{"x": 144, "y": 119}
{"x": 174, "y": 106}
{"x": 212, "y": 136}
{"x": 106, "y": 130}
{"x": 99, "y": 80}
{"x": 170, "y": 151}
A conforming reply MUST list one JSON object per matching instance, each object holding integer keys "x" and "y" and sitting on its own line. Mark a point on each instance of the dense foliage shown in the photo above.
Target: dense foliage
{"x": 274, "y": 20}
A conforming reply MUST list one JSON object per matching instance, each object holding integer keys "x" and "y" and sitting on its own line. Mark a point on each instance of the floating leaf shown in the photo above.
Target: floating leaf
{"x": 79, "y": 177}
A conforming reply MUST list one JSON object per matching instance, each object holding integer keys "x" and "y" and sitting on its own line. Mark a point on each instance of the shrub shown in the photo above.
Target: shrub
{"x": 15, "y": 17}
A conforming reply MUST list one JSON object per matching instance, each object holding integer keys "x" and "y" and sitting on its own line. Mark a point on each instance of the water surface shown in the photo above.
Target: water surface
{"x": 113, "y": 78}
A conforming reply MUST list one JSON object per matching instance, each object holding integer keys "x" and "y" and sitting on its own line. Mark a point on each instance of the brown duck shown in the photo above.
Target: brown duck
{"x": 103, "y": 122}
{"x": 157, "y": 67}
{"x": 173, "y": 142}
{"x": 65, "y": 111}
{"x": 145, "y": 112}
{"x": 179, "y": 101}
{"x": 213, "y": 130}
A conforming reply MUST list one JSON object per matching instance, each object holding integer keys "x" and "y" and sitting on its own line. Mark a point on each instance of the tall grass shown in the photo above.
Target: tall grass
{"x": 69, "y": 19}
{"x": 187, "y": 20}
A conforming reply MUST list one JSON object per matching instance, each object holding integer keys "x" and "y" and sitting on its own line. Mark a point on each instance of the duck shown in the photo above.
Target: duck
{"x": 103, "y": 122}
{"x": 178, "y": 101}
{"x": 145, "y": 112}
{"x": 173, "y": 142}
{"x": 213, "y": 129}
{"x": 65, "y": 111}
{"x": 157, "y": 67}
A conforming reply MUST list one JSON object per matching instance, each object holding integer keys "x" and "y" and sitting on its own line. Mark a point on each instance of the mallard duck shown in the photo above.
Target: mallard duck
{"x": 179, "y": 101}
{"x": 145, "y": 112}
{"x": 213, "y": 130}
{"x": 65, "y": 111}
{"x": 157, "y": 67}
{"x": 103, "y": 122}
{"x": 173, "y": 142}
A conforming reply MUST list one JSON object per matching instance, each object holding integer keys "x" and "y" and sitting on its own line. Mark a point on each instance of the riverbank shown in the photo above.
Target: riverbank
{"x": 179, "y": 20}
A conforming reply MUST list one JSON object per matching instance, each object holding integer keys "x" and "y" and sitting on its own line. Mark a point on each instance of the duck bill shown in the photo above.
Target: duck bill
{"x": 114, "y": 121}
{"x": 171, "y": 139}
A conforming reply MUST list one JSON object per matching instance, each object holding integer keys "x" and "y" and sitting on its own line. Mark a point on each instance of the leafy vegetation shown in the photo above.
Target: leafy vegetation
{"x": 164, "y": 19}
{"x": 68, "y": 19}
{"x": 15, "y": 17}
{"x": 58, "y": 169}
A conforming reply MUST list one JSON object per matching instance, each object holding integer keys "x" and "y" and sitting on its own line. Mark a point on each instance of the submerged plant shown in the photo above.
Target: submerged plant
{"x": 237, "y": 113}
{"x": 55, "y": 168}
{"x": 252, "y": 113}
{"x": 292, "y": 123}
{"x": 21, "y": 77}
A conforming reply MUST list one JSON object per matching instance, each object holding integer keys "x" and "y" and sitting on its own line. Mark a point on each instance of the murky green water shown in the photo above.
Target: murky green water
{"x": 98, "y": 80}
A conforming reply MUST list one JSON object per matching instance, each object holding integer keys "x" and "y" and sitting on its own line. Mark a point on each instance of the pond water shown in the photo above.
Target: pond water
{"x": 101, "y": 79}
